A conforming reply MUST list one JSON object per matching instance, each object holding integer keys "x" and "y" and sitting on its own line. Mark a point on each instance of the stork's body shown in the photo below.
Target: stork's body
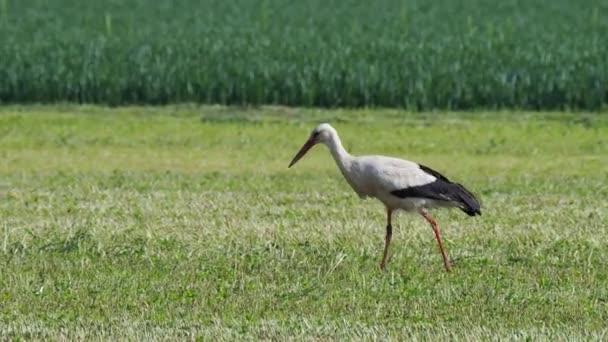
{"x": 397, "y": 183}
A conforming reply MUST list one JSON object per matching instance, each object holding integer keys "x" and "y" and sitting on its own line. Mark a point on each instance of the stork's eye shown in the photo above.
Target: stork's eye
{"x": 315, "y": 134}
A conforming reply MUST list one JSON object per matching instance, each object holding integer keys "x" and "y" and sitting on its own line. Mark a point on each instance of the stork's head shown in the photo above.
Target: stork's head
{"x": 320, "y": 134}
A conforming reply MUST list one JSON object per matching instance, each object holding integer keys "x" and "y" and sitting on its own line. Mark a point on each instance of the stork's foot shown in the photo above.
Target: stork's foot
{"x": 382, "y": 265}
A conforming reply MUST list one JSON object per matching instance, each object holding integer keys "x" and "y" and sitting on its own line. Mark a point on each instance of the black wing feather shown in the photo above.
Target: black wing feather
{"x": 442, "y": 190}
{"x": 433, "y": 173}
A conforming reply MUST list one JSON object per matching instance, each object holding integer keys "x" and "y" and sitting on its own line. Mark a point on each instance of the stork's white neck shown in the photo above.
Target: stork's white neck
{"x": 342, "y": 158}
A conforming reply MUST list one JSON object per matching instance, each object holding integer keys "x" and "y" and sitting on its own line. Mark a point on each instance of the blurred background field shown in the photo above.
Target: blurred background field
{"x": 420, "y": 55}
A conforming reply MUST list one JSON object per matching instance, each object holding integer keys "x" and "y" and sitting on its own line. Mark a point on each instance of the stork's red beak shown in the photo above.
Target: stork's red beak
{"x": 309, "y": 143}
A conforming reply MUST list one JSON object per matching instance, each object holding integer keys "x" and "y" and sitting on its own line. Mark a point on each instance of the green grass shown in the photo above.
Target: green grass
{"x": 415, "y": 54}
{"x": 184, "y": 222}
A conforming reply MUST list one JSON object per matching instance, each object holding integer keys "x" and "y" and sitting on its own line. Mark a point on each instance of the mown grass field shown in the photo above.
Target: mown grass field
{"x": 185, "y": 223}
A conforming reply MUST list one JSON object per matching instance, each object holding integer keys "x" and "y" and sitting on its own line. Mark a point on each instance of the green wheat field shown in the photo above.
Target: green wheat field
{"x": 414, "y": 54}
{"x": 184, "y": 223}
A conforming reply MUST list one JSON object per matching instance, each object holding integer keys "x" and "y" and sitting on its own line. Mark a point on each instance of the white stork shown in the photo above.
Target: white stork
{"x": 397, "y": 183}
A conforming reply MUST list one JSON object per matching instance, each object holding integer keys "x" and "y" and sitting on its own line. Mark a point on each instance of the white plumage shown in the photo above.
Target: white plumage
{"x": 397, "y": 183}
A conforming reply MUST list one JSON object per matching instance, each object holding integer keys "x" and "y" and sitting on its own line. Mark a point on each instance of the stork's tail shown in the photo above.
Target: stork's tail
{"x": 466, "y": 200}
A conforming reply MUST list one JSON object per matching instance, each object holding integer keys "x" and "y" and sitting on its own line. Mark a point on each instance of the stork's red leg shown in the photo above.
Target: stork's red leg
{"x": 446, "y": 261}
{"x": 387, "y": 239}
